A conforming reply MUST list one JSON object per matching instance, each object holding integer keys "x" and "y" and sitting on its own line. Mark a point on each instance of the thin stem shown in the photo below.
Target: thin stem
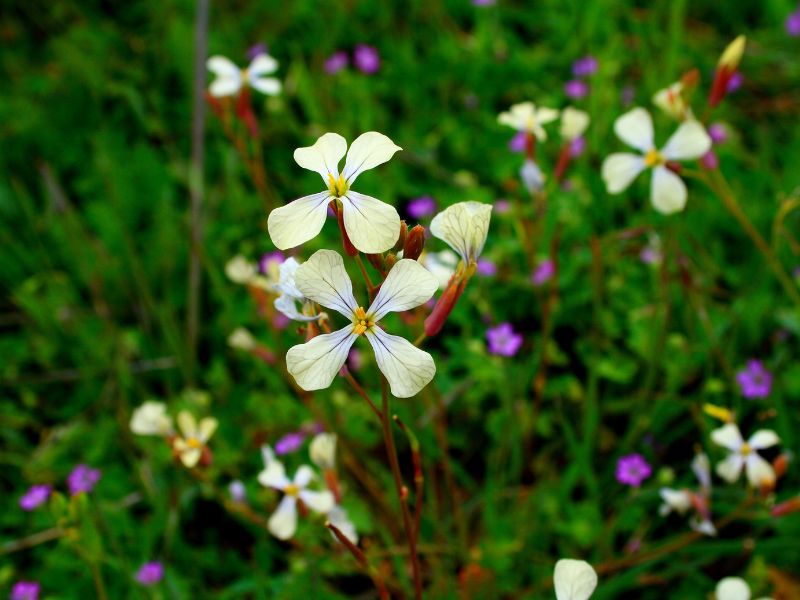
{"x": 360, "y": 263}
{"x": 360, "y": 391}
{"x": 420, "y": 339}
{"x": 361, "y": 558}
{"x": 97, "y": 577}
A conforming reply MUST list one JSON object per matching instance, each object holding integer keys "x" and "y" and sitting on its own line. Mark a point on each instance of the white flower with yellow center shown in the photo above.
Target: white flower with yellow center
{"x": 323, "y": 279}
{"x": 733, "y": 588}
{"x": 464, "y": 227}
{"x": 574, "y": 123}
{"x": 230, "y": 79}
{"x": 193, "y": 439}
{"x": 151, "y": 418}
{"x": 372, "y": 225}
{"x": 289, "y": 296}
{"x": 574, "y": 579}
{"x": 672, "y": 102}
{"x": 744, "y": 454}
{"x": 667, "y": 190}
{"x": 529, "y": 119}
{"x": 283, "y": 522}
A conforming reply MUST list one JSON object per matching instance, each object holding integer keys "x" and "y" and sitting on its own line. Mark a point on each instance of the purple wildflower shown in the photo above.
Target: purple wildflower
{"x": 289, "y": 443}
{"x": 576, "y": 89}
{"x": 35, "y": 497}
{"x": 717, "y": 133}
{"x": 584, "y": 67}
{"x": 424, "y": 206}
{"x": 628, "y": 95}
{"x": 366, "y": 59}
{"x": 503, "y": 340}
{"x": 336, "y": 62}
{"x": 650, "y": 255}
{"x": 82, "y": 479}
{"x": 354, "y": 360}
{"x": 709, "y": 160}
{"x": 735, "y": 82}
{"x": 257, "y": 50}
{"x": 25, "y": 590}
{"x": 237, "y": 491}
{"x": 150, "y": 573}
{"x": 270, "y": 260}
{"x": 633, "y": 470}
{"x": 484, "y": 2}
{"x": 518, "y": 142}
{"x": 793, "y": 23}
{"x": 754, "y": 380}
{"x": 280, "y": 321}
{"x": 577, "y": 146}
{"x": 502, "y": 206}
{"x": 486, "y": 267}
{"x": 543, "y": 272}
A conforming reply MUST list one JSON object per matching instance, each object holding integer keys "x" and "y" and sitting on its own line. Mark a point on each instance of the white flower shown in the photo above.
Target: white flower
{"x": 574, "y": 579}
{"x": 672, "y": 102}
{"x": 464, "y": 227}
{"x": 733, "y": 588}
{"x": 283, "y": 522}
{"x": 743, "y": 454}
{"x": 526, "y": 117}
{"x": 323, "y": 451}
{"x": 337, "y": 516}
{"x": 194, "y": 437}
{"x": 573, "y": 123}
{"x": 240, "y": 270}
{"x": 230, "y": 78}
{"x": 241, "y": 339}
{"x": 151, "y": 418}
{"x": 286, "y": 302}
{"x": 678, "y": 500}
{"x": 372, "y": 226}
{"x": 701, "y": 467}
{"x": 532, "y": 177}
{"x": 324, "y": 280}
{"x": 442, "y": 265}
{"x": 667, "y": 190}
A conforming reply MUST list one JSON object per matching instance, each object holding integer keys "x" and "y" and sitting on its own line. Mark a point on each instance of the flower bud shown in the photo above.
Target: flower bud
{"x": 445, "y": 304}
{"x": 415, "y": 242}
{"x": 323, "y": 450}
{"x": 786, "y": 508}
{"x": 727, "y": 66}
{"x": 401, "y": 241}
{"x": 242, "y": 339}
{"x": 376, "y": 260}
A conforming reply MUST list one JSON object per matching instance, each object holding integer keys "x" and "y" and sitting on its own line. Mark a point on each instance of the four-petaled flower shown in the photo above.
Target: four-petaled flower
{"x": 231, "y": 79}
{"x": 526, "y": 117}
{"x": 372, "y": 225}
{"x": 324, "y": 280}
{"x": 743, "y": 454}
{"x": 190, "y": 446}
{"x": 464, "y": 227}
{"x": 667, "y": 191}
{"x": 574, "y": 579}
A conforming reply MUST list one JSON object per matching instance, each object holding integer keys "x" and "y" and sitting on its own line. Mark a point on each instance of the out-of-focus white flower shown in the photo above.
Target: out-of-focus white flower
{"x": 242, "y": 339}
{"x": 678, "y": 500}
{"x": 283, "y": 522}
{"x": 464, "y": 227}
{"x": 323, "y": 279}
{"x": 151, "y": 418}
{"x": 442, "y": 265}
{"x": 573, "y": 123}
{"x": 526, "y": 117}
{"x": 743, "y": 454}
{"x": 323, "y": 450}
{"x": 733, "y": 588}
{"x": 289, "y": 296}
{"x": 667, "y": 190}
{"x": 372, "y": 225}
{"x": 230, "y": 79}
{"x": 682, "y": 500}
{"x": 574, "y": 579}
{"x": 701, "y": 467}
{"x": 532, "y": 177}
{"x": 672, "y": 102}
{"x": 194, "y": 437}
{"x": 240, "y": 270}
{"x": 337, "y": 516}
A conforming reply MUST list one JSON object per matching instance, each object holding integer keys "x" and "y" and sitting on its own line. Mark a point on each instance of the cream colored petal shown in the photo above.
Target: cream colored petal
{"x": 338, "y": 517}
{"x": 322, "y": 450}
{"x": 320, "y": 502}
{"x": 266, "y": 85}
{"x": 151, "y": 419}
{"x": 298, "y": 221}
{"x": 701, "y": 467}
{"x": 620, "y": 169}
{"x": 519, "y": 116}
{"x": 303, "y": 476}
{"x": 573, "y": 123}
{"x": 407, "y": 285}
{"x": 635, "y": 128}
{"x": 667, "y": 191}
{"x": 678, "y": 500}
{"x": 369, "y": 150}
{"x": 763, "y": 438}
{"x": 407, "y": 368}
{"x": 372, "y": 226}
{"x": 574, "y": 579}
{"x": 732, "y": 588}
{"x": 207, "y": 428}
{"x": 187, "y": 424}
{"x": 274, "y": 473}
{"x": 464, "y": 226}
{"x": 690, "y": 141}
{"x": 546, "y": 115}
{"x": 189, "y": 456}
{"x": 323, "y": 279}
{"x": 728, "y": 436}
{"x": 287, "y": 306}
{"x": 730, "y": 468}
{"x": 283, "y": 522}
{"x": 759, "y": 471}
{"x": 228, "y": 77}
{"x": 324, "y": 156}
{"x": 263, "y": 64}
{"x": 315, "y": 364}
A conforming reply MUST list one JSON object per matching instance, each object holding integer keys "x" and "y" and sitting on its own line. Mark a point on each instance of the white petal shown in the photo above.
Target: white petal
{"x": 373, "y": 226}
{"x": 207, "y": 428}
{"x": 759, "y": 471}
{"x": 190, "y": 456}
{"x": 635, "y": 128}
{"x": 298, "y": 221}
{"x": 283, "y": 522}
{"x": 677, "y": 500}
{"x": 303, "y": 476}
{"x": 263, "y": 64}
{"x": 369, "y": 150}
{"x": 320, "y": 502}
{"x": 322, "y": 450}
{"x": 266, "y": 85}
{"x": 763, "y": 438}
{"x": 323, "y": 279}
{"x": 407, "y": 368}
{"x": 728, "y": 436}
{"x": 573, "y": 123}
{"x": 287, "y": 305}
{"x": 574, "y": 579}
{"x": 732, "y": 588}
{"x": 228, "y": 76}
{"x": 620, "y": 169}
{"x": 546, "y": 115}
{"x": 338, "y": 517}
{"x": 314, "y": 364}
{"x": 464, "y": 226}
{"x": 187, "y": 424}
{"x": 520, "y": 116}
{"x": 151, "y": 419}
{"x": 730, "y": 468}
{"x": 407, "y": 285}
{"x": 667, "y": 191}
{"x": 274, "y": 475}
{"x": 702, "y": 470}
{"x": 705, "y": 527}
{"x": 689, "y": 141}
{"x": 324, "y": 156}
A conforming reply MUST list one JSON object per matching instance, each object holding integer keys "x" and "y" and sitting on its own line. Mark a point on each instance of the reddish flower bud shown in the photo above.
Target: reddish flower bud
{"x": 415, "y": 242}
{"x": 563, "y": 163}
{"x": 786, "y": 508}
{"x": 389, "y": 262}
{"x": 376, "y": 260}
{"x": 245, "y": 112}
{"x": 781, "y": 465}
{"x": 401, "y": 241}
{"x": 727, "y": 66}
{"x": 445, "y": 304}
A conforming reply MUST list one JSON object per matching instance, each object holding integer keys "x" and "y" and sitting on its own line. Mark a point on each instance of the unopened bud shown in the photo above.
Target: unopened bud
{"x": 786, "y": 508}
{"x": 718, "y": 412}
{"x": 445, "y": 304}
{"x": 781, "y": 465}
{"x": 732, "y": 55}
{"x": 403, "y": 493}
{"x": 389, "y": 262}
{"x": 401, "y": 240}
{"x": 376, "y": 260}
{"x": 415, "y": 242}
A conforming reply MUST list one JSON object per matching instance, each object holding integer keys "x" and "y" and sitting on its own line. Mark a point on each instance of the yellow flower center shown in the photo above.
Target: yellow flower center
{"x": 194, "y": 443}
{"x": 653, "y": 158}
{"x": 745, "y": 450}
{"x": 291, "y": 490}
{"x": 361, "y": 322}
{"x": 338, "y": 187}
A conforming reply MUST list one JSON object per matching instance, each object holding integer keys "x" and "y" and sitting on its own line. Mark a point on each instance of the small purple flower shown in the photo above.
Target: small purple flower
{"x": 280, "y": 321}
{"x": 650, "y": 255}
{"x": 584, "y": 67}
{"x": 484, "y": 2}
{"x": 270, "y": 260}
{"x": 717, "y": 133}
{"x": 25, "y": 590}
{"x": 257, "y": 50}
{"x": 486, "y": 267}
{"x": 150, "y": 573}
{"x": 354, "y": 360}
{"x": 518, "y": 142}
{"x": 633, "y": 470}
{"x": 735, "y": 82}
{"x": 336, "y": 62}
{"x": 289, "y": 443}
{"x": 754, "y": 380}
{"x": 576, "y": 89}
{"x": 793, "y": 24}
{"x": 628, "y": 95}
{"x": 366, "y": 59}
{"x": 709, "y": 160}
{"x": 577, "y": 146}
{"x": 543, "y": 272}
{"x": 237, "y": 491}
{"x": 503, "y": 340}
{"x": 82, "y": 479}
{"x": 424, "y": 206}
{"x": 502, "y": 206}
{"x": 35, "y": 497}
